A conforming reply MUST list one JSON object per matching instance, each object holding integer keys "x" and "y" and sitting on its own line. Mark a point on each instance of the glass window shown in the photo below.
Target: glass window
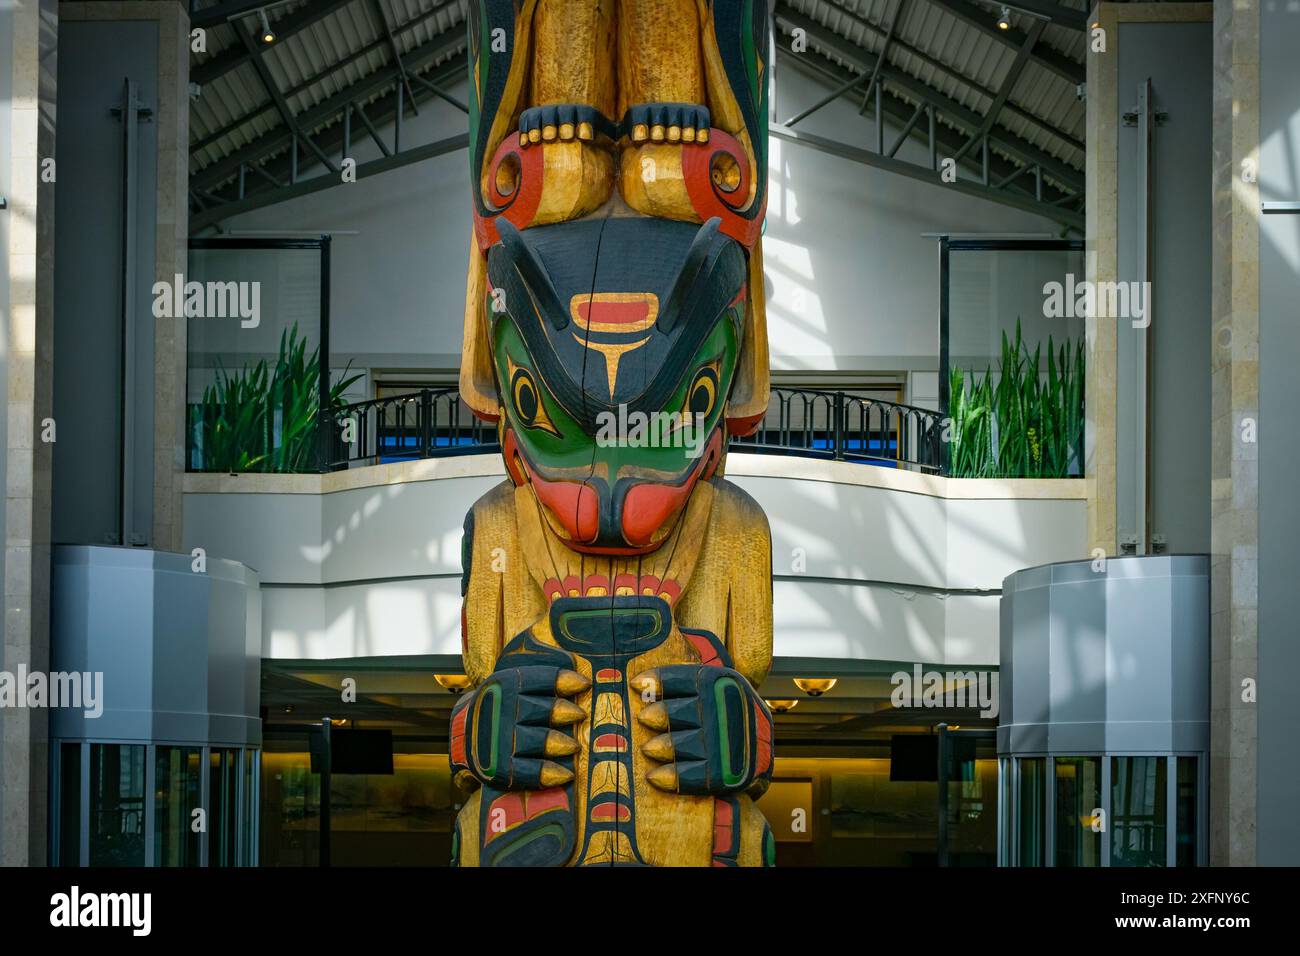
{"x": 70, "y": 805}
{"x": 1139, "y": 800}
{"x": 222, "y": 797}
{"x": 1032, "y": 811}
{"x": 178, "y": 786}
{"x": 249, "y": 835}
{"x": 117, "y": 804}
{"x": 1186, "y": 803}
{"x": 290, "y": 792}
{"x": 971, "y": 779}
{"x": 1078, "y": 796}
{"x": 250, "y": 401}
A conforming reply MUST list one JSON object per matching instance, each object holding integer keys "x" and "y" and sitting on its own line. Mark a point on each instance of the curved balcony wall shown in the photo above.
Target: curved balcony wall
{"x": 1104, "y": 731}
{"x": 870, "y": 564}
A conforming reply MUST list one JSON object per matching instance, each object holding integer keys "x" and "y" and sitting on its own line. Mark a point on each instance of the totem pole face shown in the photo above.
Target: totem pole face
{"x": 614, "y": 392}
{"x": 614, "y": 322}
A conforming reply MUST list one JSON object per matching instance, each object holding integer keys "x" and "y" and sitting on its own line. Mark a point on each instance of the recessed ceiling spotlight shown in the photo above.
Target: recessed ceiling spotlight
{"x": 268, "y": 35}
{"x": 1004, "y": 21}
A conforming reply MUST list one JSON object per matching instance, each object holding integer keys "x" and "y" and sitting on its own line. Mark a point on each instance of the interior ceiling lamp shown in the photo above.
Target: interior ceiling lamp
{"x": 268, "y": 35}
{"x": 1004, "y": 19}
{"x": 456, "y": 683}
{"x": 815, "y": 686}
{"x": 781, "y": 706}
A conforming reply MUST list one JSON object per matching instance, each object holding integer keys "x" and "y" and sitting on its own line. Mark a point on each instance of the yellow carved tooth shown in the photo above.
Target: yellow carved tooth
{"x": 659, "y": 748}
{"x": 570, "y": 682}
{"x": 548, "y": 133}
{"x": 553, "y": 775}
{"x": 688, "y": 134}
{"x": 702, "y": 136}
{"x": 566, "y": 712}
{"x": 674, "y": 134}
{"x": 534, "y": 136}
{"x": 523, "y": 138}
{"x": 559, "y": 744}
{"x": 640, "y": 133}
{"x": 585, "y": 131}
{"x": 655, "y": 716}
{"x": 664, "y": 778}
{"x": 657, "y": 133}
{"x": 566, "y": 131}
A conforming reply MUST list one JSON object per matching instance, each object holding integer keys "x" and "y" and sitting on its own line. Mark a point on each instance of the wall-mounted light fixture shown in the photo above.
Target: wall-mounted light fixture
{"x": 782, "y": 706}
{"x": 815, "y": 686}
{"x": 456, "y": 683}
{"x": 1004, "y": 19}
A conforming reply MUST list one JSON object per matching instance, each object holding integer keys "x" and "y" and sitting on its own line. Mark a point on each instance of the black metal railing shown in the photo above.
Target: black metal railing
{"x": 847, "y": 427}
{"x": 837, "y": 425}
{"x": 430, "y": 423}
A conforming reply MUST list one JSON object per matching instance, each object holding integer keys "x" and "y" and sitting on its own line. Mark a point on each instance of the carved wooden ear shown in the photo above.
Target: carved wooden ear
{"x": 478, "y": 388}
{"x": 749, "y": 394}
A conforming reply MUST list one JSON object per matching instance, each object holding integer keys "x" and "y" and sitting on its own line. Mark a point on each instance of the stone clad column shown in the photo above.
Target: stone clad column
{"x": 29, "y": 57}
{"x": 1234, "y": 527}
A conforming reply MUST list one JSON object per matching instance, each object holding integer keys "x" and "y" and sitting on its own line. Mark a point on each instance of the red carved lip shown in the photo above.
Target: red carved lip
{"x": 576, "y": 505}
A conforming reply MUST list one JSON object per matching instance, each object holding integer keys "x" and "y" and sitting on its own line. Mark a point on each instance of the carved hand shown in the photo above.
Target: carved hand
{"x": 504, "y": 732}
{"x": 715, "y": 732}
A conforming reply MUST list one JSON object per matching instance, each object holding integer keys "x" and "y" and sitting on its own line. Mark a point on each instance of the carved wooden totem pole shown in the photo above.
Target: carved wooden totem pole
{"x": 617, "y": 590}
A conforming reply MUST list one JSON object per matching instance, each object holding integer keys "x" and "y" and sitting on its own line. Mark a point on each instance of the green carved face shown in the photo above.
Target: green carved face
{"x": 617, "y": 481}
{"x": 615, "y": 343}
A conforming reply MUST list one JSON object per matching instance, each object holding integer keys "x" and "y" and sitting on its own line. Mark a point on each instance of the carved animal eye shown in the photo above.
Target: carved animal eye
{"x": 702, "y": 396}
{"x": 528, "y": 402}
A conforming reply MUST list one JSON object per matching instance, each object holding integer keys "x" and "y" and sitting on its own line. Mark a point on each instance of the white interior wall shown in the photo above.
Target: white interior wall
{"x": 852, "y": 279}
{"x": 890, "y": 567}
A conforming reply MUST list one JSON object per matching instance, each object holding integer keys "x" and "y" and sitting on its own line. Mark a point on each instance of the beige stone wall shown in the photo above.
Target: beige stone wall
{"x": 1101, "y": 250}
{"x": 1234, "y": 521}
{"x": 29, "y": 338}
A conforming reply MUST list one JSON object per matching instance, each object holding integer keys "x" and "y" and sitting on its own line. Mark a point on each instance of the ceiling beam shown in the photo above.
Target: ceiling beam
{"x": 273, "y": 91}
{"x": 1048, "y": 11}
{"x": 329, "y": 71}
{"x": 306, "y": 187}
{"x": 863, "y": 61}
{"x": 986, "y": 23}
{"x": 378, "y": 8}
{"x": 961, "y": 77}
{"x": 442, "y": 46}
{"x": 381, "y": 112}
{"x": 285, "y": 27}
{"x": 228, "y": 10}
{"x": 1009, "y": 80}
{"x": 947, "y": 140}
{"x": 884, "y": 56}
{"x": 913, "y": 171}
